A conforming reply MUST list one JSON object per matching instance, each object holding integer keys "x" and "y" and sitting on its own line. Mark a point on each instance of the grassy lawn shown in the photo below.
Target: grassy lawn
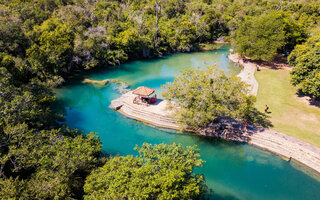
{"x": 289, "y": 113}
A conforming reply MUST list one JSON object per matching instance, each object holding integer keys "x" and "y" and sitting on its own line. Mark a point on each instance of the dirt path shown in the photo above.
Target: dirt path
{"x": 247, "y": 73}
{"x": 279, "y": 143}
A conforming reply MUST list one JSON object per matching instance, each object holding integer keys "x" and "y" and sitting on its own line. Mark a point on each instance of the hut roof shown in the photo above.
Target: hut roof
{"x": 143, "y": 91}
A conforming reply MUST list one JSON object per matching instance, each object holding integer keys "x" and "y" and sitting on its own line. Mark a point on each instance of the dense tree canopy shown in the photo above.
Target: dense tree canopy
{"x": 262, "y": 37}
{"x": 49, "y": 162}
{"x": 202, "y": 96}
{"x": 306, "y": 61}
{"x": 58, "y": 37}
{"x": 159, "y": 172}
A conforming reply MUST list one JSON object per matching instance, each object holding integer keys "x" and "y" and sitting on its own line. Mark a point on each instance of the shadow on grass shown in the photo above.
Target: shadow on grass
{"x": 257, "y": 118}
{"x": 279, "y": 62}
{"x": 311, "y": 101}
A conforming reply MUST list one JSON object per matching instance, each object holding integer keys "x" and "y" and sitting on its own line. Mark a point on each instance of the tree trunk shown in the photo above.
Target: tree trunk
{"x": 158, "y": 15}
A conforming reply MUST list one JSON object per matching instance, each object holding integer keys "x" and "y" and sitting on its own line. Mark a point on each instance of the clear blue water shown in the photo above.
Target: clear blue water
{"x": 232, "y": 170}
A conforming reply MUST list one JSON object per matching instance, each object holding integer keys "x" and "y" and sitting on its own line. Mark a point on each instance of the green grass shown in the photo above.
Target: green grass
{"x": 289, "y": 113}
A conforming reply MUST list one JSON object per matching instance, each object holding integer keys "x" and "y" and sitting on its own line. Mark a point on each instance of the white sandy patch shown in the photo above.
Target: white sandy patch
{"x": 247, "y": 73}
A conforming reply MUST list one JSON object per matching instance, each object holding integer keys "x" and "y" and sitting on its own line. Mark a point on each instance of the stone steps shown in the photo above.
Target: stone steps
{"x": 288, "y": 149}
{"x": 148, "y": 117}
{"x": 143, "y": 112}
{"x": 148, "y": 114}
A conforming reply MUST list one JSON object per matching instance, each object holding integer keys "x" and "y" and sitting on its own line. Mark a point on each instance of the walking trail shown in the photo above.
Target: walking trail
{"x": 279, "y": 143}
{"x": 247, "y": 73}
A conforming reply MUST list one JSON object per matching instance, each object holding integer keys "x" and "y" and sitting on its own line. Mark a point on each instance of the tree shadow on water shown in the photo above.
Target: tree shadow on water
{"x": 221, "y": 197}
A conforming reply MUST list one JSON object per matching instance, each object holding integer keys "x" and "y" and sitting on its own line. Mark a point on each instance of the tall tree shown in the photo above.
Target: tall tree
{"x": 158, "y": 15}
{"x": 52, "y": 51}
{"x": 262, "y": 37}
{"x": 306, "y": 61}
{"x": 200, "y": 96}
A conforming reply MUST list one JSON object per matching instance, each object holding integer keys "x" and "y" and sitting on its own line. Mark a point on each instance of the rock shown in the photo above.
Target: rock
{"x": 116, "y": 104}
{"x": 123, "y": 88}
{"x": 228, "y": 128}
{"x": 221, "y": 39}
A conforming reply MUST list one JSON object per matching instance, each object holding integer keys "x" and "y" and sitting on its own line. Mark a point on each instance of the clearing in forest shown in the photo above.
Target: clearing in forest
{"x": 289, "y": 113}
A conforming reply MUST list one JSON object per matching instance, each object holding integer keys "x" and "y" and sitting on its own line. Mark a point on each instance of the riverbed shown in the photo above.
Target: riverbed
{"x": 232, "y": 170}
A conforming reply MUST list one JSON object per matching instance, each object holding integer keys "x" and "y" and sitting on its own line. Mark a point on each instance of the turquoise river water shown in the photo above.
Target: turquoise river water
{"x": 232, "y": 170}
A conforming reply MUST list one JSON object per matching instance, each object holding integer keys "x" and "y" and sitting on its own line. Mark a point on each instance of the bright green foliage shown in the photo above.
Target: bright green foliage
{"x": 306, "y": 61}
{"x": 261, "y": 37}
{"x": 52, "y": 50}
{"x": 159, "y": 172}
{"x": 181, "y": 35}
{"x": 199, "y": 97}
{"x": 11, "y": 188}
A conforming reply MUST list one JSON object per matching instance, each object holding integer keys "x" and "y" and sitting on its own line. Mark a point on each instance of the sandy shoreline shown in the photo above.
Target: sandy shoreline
{"x": 281, "y": 144}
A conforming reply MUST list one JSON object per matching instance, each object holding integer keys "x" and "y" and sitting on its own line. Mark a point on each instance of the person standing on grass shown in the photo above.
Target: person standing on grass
{"x": 266, "y": 109}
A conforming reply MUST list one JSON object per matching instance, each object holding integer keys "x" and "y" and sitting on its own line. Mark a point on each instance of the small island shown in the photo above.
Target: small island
{"x": 152, "y": 113}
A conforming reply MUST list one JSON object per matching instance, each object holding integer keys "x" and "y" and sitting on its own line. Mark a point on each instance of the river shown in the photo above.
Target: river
{"x": 232, "y": 170}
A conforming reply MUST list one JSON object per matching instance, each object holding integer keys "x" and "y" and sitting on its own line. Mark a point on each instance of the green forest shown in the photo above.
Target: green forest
{"x": 44, "y": 42}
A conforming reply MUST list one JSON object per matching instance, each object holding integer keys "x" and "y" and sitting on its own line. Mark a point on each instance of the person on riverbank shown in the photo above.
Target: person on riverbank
{"x": 266, "y": 109}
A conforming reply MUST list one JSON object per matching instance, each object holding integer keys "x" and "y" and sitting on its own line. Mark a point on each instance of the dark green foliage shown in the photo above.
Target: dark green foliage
{"x": 306, "y": 61}
{"x": 262, "y": 37}
{"x": 48, "y": 162}
{"x": 202, "y": 96}
{"x": 159, "y": 172}
{"x": 12, "y": 38}
{"x": 37, "y": 159}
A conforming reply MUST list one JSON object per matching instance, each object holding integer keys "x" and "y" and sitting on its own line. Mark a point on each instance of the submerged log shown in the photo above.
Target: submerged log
{"x": 103, "y": 82}
{"x": 123, "y": 88}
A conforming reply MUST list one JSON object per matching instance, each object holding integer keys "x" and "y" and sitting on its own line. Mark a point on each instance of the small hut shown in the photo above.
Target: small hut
{"x": 144, "y": 95}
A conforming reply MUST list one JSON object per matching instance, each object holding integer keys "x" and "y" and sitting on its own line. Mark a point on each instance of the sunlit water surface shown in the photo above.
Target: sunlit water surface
{"x": 232, "y": 170}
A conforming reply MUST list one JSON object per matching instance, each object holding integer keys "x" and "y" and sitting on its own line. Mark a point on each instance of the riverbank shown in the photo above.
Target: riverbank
{"x": 286, "y": 146}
